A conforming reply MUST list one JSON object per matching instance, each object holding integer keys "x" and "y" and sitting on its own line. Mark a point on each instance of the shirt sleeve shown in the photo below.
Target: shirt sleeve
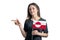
{"x": 25, "y": 26}
{"x": 46, "y": 30}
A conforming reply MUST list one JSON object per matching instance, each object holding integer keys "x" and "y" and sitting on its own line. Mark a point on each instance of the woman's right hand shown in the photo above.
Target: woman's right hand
{"x": 16, "y": 22}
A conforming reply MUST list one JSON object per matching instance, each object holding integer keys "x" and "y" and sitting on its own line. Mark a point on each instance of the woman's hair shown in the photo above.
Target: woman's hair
{"x": 29, "y": 16}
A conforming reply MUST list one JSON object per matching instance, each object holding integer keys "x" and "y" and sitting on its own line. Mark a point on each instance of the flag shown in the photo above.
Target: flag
{"x": 39, "y": 25}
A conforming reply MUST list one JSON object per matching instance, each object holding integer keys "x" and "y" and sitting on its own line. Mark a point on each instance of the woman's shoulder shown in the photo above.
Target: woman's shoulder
{"x": 27, "y": 20}
{"x": 42, "y": 19}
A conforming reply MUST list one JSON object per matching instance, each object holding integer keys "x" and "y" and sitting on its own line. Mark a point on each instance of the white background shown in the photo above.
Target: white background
{"x": 12, "y": 9}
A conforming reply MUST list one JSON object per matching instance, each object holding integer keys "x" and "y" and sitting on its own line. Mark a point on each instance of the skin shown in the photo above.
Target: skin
{"x": 33, "y": 11}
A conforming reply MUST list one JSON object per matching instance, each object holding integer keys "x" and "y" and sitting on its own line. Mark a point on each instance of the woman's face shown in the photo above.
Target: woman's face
{"x": 33, "y": 10}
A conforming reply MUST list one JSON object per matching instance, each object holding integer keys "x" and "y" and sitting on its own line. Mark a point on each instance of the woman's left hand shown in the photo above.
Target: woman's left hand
{"x": 35, "y": 32}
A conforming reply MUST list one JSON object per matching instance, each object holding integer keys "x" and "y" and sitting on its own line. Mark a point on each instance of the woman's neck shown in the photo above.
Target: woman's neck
{"x": 35, "y": 17}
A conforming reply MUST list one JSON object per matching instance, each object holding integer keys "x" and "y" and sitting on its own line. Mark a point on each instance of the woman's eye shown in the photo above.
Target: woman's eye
{"x": 29, "y": 9}
{"x": 33, "y": 8}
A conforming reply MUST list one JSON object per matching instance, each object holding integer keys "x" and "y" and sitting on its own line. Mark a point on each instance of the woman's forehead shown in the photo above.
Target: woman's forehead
{"x": 32, "y": 6}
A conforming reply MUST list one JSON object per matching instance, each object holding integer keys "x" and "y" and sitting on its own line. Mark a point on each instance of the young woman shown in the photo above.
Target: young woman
{"x": 33, "y": 15}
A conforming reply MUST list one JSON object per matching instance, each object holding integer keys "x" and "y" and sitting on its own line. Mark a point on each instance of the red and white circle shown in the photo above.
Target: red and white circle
{"x": 39, "y": 24}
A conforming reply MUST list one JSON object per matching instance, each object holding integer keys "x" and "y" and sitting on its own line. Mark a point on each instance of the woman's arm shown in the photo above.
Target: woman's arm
{"x": 20, "y": 27}
{"x": 35, "y": 32}
{"x": 42, "y": 34}
{"x": 22, "y": 31}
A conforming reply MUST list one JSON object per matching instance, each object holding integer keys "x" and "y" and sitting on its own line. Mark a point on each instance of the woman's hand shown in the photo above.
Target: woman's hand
{"x": 35, "y": 32}
{"x": 16, "y": 22}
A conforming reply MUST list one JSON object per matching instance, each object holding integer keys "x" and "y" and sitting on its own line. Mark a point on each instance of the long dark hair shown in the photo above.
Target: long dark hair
{"x": 29, "y": 15}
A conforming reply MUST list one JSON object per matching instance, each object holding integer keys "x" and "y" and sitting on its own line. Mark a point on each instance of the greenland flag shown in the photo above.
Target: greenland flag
{"x": 39, "y": 25}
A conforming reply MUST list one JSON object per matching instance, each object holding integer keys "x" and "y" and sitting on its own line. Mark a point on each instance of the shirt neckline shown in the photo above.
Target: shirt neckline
{"x": 36, "y": 20}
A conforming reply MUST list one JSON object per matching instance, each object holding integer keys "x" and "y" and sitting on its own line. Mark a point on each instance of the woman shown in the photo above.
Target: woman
{"x": 33, "y": 15}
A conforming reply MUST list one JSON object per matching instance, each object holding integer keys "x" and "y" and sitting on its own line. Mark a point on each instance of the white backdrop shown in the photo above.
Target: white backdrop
{"x": 12, "y": 9}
